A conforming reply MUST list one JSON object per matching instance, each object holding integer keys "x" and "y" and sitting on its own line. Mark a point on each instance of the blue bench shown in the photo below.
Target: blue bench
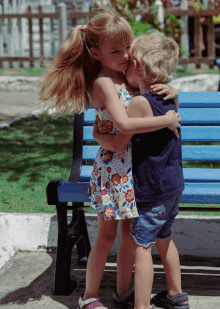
{"x": 200, "y": 112}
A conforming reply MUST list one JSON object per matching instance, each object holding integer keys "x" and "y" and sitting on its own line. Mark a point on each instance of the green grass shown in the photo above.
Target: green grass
{"x": 33, "y": 152}
{"x": 39, "y": 71}
{"x": 22, "y": 71}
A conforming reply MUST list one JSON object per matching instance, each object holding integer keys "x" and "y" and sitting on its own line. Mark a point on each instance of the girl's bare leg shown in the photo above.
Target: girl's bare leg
{"x": 106, "y": 235}
{"x": 143, "y": 277}
{"x": 171, "y": 263}
{"x": 125, "y": 257}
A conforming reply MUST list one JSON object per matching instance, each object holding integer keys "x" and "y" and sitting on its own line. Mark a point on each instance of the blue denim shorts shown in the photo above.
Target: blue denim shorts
{"x": 154, "y": 221}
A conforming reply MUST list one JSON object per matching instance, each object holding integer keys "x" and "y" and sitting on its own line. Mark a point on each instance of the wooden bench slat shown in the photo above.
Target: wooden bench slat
{"x": 203, "y": 193}
{"x": 190, "y": 174}
{"x": 198, "y": 99}
{"x": 196, "y": 116}
{"x": 90, "y": 152}
{"x": 189, "y": 134}
{"x": 201, "y": 153}
{"x": 200, "y": 116}
{"x": 200, "y": 134}
{"x": 189, "y": 153}
{"x": 201, "y": 174}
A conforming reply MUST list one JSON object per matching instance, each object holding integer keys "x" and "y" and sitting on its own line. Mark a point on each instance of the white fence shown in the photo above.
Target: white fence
{"x": 33, "y": 31}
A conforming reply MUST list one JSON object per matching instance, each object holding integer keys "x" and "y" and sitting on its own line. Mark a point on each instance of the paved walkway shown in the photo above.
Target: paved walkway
{"x": 27, "y": 281}
{"x": 14, "y": 105}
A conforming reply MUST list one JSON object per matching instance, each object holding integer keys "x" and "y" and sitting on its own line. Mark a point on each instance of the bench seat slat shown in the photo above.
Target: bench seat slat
{"x": 189, "y": 133}
{"x": 190, "y": 174}
{"x": 203, "y": 193}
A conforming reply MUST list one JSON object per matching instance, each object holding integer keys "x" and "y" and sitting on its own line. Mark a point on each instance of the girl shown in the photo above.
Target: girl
{"x": 157, "y": 171}
{"x": 91, "y": 65}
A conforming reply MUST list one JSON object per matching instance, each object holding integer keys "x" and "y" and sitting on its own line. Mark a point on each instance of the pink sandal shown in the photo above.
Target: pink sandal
{"x": 91, "y": 303}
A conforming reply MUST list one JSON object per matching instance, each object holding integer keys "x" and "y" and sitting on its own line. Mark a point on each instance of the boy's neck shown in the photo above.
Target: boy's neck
{"x": 144, "y": 87}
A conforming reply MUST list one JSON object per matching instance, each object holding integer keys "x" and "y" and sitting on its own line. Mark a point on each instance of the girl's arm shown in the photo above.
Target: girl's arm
{"x": 138, "y": 107}
{"x": 109, "y": 96}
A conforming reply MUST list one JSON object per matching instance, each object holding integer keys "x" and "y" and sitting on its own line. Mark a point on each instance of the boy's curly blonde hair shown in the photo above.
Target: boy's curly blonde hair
{"x": 68, "y": 82}
{"x": 157, "y": 56}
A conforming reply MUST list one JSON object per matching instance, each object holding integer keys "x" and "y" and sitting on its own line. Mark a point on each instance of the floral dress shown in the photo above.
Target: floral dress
{"x": 111, "y": 184}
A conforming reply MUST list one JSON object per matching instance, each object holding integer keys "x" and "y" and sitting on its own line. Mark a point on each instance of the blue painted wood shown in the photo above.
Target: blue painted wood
{"x": 189, "y": 116}
{"x": 201, "y": 174}
{"x": 198, "y": 99}
{"x": 89, "y": 116}
{"x": 200, "y": 116}
{"x": 190, "y": 174}
{"x": 190, "y": 153}
{"x": 203, "y": 133}
{"x": 201, "y": 153}
{"x": 73, "y": 192}
{"x": 90, "y": 152}
{"x": 189, "y": 133}
{"x": 203, "y": 193}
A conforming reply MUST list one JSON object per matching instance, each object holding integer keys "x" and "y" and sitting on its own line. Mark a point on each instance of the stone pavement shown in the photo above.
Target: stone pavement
{"x": 15, "y": 105}
{"x": 27, "y": 280}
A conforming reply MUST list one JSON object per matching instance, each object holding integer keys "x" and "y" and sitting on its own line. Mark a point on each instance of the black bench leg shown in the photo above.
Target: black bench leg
{"x": 83, "y": 245}
{"x": 63, "y": 283}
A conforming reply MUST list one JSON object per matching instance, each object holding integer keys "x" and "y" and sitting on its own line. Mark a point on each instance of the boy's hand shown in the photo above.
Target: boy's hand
{"x": 161, "y": 89}
{"x": 103, "y": 126}
{"x": 174, "y": 120}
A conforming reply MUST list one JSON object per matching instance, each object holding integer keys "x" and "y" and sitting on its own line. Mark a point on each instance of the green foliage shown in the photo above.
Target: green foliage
{"x": 139, "y": 28}
{"x": 198, "y": 6}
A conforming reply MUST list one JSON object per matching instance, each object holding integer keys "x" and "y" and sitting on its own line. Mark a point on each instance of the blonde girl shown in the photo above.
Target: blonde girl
{"x": 90, "y": 67}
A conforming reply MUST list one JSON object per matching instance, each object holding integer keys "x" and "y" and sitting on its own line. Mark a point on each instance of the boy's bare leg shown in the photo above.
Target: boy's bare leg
{"x": 125, "y": 257}
{"x": 171, "y": 263}
{"x": 105, "y": 239}
{"x": 143, "y": 276}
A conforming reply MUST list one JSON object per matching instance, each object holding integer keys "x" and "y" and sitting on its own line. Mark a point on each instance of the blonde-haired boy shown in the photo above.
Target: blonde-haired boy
{"x": 157, "y": 169}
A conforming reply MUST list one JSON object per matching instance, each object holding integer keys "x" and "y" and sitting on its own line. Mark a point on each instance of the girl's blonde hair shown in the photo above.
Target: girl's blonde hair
{"x": 156, "y": 55}
{"x": 68, "y": 82}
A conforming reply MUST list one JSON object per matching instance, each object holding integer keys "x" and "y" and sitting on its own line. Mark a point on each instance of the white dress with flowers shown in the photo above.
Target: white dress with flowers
{"x": 111, "y": 184}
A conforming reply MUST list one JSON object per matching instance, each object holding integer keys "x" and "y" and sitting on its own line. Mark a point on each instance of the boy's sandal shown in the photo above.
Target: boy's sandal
{"x": 91, "y": 303}
{"x": 163, "y": 300}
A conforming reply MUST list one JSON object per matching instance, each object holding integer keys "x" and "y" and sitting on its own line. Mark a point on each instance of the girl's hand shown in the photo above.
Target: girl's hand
{"x": 174, "y": 120}
{"x": 104, "y": 126}
{"x": 161, "y": 89}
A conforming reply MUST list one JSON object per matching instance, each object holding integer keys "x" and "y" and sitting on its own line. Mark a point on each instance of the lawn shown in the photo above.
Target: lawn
{"x": 39, "y": 71}
{"x": 34, "y": 151}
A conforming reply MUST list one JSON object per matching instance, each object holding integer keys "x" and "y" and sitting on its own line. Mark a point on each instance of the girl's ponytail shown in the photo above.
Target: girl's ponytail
{"x": 67, "y": 82}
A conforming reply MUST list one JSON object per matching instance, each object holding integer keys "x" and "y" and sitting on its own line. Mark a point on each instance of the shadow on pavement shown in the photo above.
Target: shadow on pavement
{"x": 27, "y": 279}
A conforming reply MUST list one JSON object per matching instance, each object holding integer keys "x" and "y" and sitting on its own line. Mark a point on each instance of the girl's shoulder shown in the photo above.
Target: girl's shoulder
{"x": 103, "y": 87}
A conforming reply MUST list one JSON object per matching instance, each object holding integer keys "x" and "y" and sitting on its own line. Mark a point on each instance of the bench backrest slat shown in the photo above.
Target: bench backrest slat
{"x": 189, "y": 133}
{"x": 189, "y": 153}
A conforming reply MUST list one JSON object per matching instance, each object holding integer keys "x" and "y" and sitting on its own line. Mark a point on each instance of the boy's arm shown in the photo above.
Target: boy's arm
{"x": 170, "y": 91}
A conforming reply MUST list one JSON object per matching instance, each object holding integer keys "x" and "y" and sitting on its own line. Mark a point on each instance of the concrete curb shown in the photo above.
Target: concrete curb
{"x": 193, "y": 235}
{"x": 200, "y": 82}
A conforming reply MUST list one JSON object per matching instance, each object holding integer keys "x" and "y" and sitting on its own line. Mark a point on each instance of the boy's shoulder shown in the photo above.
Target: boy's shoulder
{"x": 140, "y": 105}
